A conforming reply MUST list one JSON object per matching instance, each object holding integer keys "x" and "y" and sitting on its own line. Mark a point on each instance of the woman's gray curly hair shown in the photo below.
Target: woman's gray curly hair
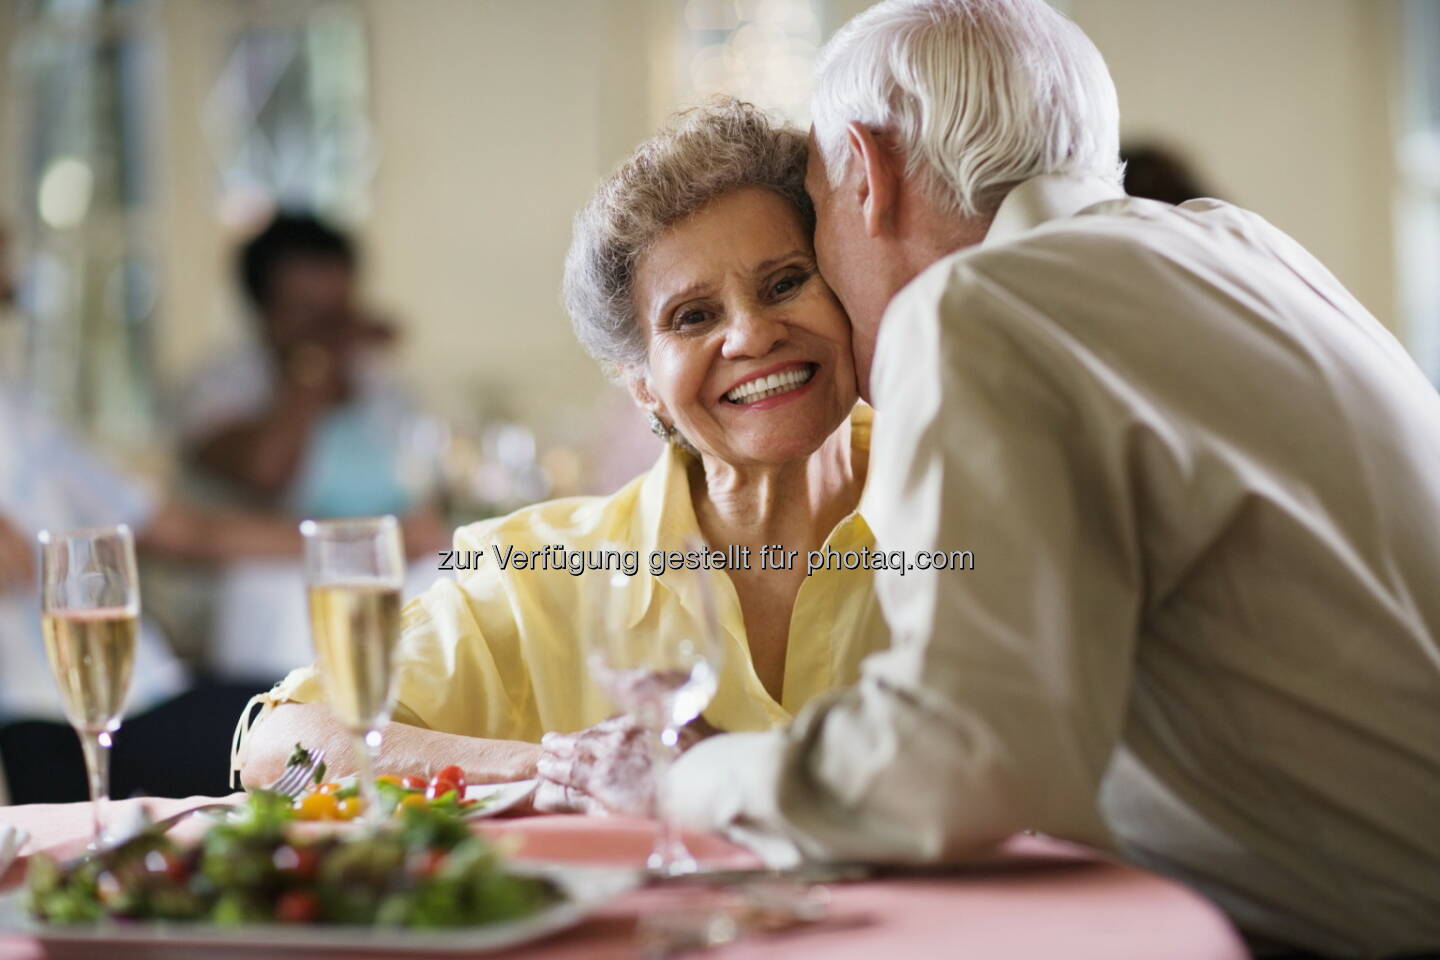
{"x": 703, "y": 153}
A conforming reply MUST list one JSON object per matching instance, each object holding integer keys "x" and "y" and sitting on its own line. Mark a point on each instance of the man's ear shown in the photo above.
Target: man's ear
{"x": 877, "y": 184}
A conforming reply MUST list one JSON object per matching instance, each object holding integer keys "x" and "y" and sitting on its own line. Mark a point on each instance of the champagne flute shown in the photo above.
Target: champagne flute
{"x": 354, "y": 570}
{"x": 90, "y": 613}
{"x": 662, "y": 671}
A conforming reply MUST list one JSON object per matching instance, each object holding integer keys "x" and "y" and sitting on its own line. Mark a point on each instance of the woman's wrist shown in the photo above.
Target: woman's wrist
{"x": 501, "y": 761}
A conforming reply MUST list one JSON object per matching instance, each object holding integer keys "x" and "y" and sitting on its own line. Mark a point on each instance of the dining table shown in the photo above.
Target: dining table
{"x": 1031, "y": 897}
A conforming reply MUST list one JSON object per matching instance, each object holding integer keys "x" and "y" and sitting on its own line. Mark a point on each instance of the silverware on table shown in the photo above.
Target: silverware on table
{"x": 810, "y": 873}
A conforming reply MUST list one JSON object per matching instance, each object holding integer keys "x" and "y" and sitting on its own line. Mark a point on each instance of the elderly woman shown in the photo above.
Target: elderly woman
{"x": 692, "y": 279}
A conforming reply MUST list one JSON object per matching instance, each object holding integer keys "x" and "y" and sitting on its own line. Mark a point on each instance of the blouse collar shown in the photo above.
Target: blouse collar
{"x": 665, "y": 521}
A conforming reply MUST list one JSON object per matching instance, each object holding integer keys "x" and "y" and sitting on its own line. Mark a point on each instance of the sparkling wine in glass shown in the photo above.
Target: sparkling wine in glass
{"x": 354, "y": 570}
{"x": 90, "y": 613}
{"x": 662, "y": 671}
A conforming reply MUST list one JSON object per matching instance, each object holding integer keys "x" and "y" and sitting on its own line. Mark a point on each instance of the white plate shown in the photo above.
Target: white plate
{"x": 587, "y": 890}
{"x": 499, "y": 797}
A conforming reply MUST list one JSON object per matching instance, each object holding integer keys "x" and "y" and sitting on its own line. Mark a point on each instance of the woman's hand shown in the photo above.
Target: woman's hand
{"x": 608, "y": 768}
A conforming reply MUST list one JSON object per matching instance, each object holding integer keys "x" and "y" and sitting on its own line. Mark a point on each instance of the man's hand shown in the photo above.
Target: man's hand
{"x": 608, "y": 768}
{"x": 17, "y": 560}
{"x": 425, "y": 532}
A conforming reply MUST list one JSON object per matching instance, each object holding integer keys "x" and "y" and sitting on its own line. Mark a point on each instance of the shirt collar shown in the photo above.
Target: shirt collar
{"x": 665, "y": 516}
{"x": 1047, "y": 197}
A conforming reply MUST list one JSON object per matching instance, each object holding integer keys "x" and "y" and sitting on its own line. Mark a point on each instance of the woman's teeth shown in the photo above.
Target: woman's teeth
{"x": 771, "y": 386}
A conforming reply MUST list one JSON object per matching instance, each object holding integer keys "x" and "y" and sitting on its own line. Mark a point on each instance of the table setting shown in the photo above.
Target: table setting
{"x": 371, "y": 866}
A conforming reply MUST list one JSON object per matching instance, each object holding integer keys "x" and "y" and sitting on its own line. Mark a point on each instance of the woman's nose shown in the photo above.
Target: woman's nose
{"x": 752, "y": 333}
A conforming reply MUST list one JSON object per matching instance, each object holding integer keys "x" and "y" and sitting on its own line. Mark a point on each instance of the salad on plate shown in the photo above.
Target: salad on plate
{"x": 424, "y": 869}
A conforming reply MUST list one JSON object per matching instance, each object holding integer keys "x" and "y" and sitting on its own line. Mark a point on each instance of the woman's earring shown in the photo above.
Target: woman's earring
{"x": 657, "y": 427}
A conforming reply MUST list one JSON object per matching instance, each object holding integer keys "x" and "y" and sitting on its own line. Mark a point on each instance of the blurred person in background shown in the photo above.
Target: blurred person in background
{"x": 1156, "y": 172}
{"x": 51, "y": 478}
{"x": 308, "y": 420}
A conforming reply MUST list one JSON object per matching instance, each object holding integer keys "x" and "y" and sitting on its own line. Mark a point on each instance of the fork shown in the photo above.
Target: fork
{"x": 291, "y": 784}
{"x": 297, "y": 776}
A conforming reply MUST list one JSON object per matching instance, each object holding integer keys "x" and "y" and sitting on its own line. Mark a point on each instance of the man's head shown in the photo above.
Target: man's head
{"x": 926, "y": 114}
{"x": 299, "y": 275}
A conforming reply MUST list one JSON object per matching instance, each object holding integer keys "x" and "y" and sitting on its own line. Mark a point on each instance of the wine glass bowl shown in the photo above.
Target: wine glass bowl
{"x": 354, "y": 571}
{"x": 661, "y": 698}
{"x": 90, "y": 615}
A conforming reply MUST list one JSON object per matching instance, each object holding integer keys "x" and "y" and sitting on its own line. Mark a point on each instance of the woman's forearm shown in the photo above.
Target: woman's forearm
{"x": 406, "y": 750}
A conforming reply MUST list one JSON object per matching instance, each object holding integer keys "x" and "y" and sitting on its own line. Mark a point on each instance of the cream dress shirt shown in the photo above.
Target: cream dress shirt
{"x": 1201, "y": 485}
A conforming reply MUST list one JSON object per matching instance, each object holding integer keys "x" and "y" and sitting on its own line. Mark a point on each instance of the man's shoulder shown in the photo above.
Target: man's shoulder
{"x": 1140, "y": 235}
{"x": 1133, "y": 282}
{"x": 1111, "y": 258}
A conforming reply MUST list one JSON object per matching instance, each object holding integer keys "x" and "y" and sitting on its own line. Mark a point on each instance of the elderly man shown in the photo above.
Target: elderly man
{"x": 1200, "y": 483}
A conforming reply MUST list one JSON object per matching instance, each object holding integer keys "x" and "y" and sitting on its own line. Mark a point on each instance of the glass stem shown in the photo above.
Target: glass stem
{"x": 367, "y": 752}
{"x": 96, "y": 747}
{"x": 670, "y": 856}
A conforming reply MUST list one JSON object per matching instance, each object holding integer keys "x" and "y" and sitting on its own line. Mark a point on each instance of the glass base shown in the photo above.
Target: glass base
{"x": 670, "y": 857}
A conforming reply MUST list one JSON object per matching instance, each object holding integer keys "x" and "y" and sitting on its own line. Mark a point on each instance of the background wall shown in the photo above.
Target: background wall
{"x": 495, "y": 118}
{"x": 1284, "y": 106}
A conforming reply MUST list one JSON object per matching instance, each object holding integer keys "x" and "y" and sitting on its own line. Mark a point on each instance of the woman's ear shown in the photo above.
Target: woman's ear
{"x": 639, "y": 386}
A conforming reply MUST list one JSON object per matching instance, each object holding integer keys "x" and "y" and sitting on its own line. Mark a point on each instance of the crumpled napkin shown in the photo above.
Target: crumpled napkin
{"x": 11, "y": 840}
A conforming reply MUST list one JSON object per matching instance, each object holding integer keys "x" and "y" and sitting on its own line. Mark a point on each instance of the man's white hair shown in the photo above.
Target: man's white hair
{"x": 977, "y": 94}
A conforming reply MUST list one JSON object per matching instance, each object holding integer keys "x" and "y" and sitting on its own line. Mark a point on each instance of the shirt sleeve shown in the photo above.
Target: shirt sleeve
{"x": 1002, "y": 697}
{"x": 234, "y": 387}
{"x": 56, "y": 480}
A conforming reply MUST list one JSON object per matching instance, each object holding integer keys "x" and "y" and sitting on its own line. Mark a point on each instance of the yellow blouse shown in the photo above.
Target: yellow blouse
{"x": 500, "y": 654}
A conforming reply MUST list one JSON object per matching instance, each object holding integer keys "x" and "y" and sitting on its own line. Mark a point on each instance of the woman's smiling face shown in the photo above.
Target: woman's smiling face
{"x": 748, "y": 350}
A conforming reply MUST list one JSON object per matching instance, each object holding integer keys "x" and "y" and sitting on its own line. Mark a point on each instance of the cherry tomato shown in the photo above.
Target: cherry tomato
{"x": 317, "y": 806}
{"x": 389, "y": 778}
{"x": 429, "y": 862}
{"x": 300, "y": 862}
{"x": 164, "y": 862}
{"x": 438, "y": 788}
{"x": 455, "y": 775}
{"x": 349, "y": 808}
{"x": 329, "y": 787}
{"x": 297, "y": 906}
{"x": 414, "y": 783}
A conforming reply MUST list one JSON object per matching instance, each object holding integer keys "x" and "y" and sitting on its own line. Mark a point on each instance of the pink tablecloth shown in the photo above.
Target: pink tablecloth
{"x": 1038, "y": 898}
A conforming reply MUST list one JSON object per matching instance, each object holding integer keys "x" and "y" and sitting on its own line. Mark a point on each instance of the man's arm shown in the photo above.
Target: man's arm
{"x": 1001, "y": 700}
{"x": 17, "y": 558}
{"x": 262, "y": 453}
{"x": 183, "y": 532}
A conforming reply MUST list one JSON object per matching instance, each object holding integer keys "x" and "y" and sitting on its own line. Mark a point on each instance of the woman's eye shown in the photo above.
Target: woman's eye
{"x": 785, "y": 285}
{"x": 690, "y": 318}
